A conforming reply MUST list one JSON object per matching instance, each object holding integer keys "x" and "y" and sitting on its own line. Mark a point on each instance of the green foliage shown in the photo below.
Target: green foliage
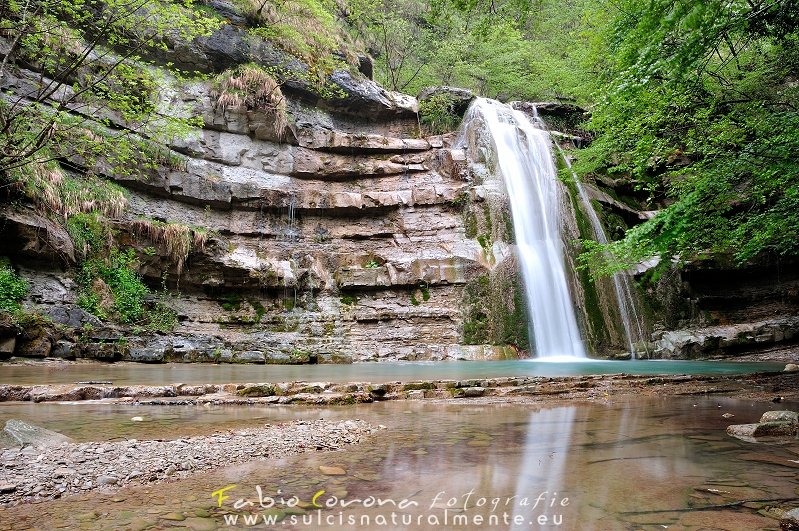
{"x": 13, "y": 288}
{"x": 85, "y": 85}
{"x": 231, "y": 303}
{"x": 521, "y": 49}
{"x": 110, "y": 287}
{"x": 90, "y": 232}
{"x": 115, "y": 276}
{"x": 349, "y": 300}
{"x": 699, "y": 107}
{"x": 437, "y": 114}
{"x": 307, "y": 29}
{"x": 371, "y": 264}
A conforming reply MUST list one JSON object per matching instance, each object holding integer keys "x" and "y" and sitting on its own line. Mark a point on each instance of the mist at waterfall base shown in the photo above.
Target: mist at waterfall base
{"x": 525, "y": 162}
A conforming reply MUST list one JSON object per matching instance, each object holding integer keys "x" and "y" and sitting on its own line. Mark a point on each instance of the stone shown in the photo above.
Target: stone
{"x": 38, "y": 347}
{"x": 780, "y": 416}
{"x": 107, "y": 480}
{"x": 23, "y": 434}
{"x": 71, "y": 315}
{"x": 790, "y": 520}
{"x": 63, "y": 349}
{"x": 200, "y": 524}
{"x": 775, "y": 429}
{"x": 7, "y": 345}
{"x": 332, "y": 470}
{"x": 791, "y": 367}
{"x": 7, "y": 487}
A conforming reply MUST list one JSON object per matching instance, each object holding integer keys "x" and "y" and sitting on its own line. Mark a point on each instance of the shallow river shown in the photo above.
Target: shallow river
{"x": 634, "y": 464}
{"x": 196, "y": 373}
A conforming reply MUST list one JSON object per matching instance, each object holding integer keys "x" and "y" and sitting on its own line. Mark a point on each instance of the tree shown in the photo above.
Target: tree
{"x": 90, "y": 75}
{"x": 698, "y": 105}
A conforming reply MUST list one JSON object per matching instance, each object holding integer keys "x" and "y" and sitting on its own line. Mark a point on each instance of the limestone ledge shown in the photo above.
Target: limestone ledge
{"x": 324, "y": 393}
{"x": 707, "y": 341}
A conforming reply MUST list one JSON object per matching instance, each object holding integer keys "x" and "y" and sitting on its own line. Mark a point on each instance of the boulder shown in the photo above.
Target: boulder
{"x": 20, "y": 433}
{"x": 71, "y": 315}
{"x": 37, "y": 347}
{"x": 780, "y": 416}
{"x": 790, "y": 520}
{"x": 772, "y": 424}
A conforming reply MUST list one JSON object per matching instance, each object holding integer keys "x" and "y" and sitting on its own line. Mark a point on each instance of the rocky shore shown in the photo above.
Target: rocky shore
{"x": 761, "y": 386}
{"x": 37, "y": 472}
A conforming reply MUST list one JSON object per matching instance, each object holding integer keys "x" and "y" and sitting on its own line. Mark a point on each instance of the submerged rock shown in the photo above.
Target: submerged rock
{"x": 20, "y": 433}
{"x": 790, "y": 520}
{"x": 772, "y": 424}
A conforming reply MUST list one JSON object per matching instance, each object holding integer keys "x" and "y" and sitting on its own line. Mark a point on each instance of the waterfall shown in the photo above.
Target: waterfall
{"x": 525, "y": 162}
{"x": 633, "y": 328}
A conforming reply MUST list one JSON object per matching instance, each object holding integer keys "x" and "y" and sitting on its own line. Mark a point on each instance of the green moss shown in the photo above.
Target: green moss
{"x": 470, "y": 223}
{"x": 260, "y": 311}
{"x": 231, "y": 303}
{"x": 299, "y": 356}
{"x": 349, "y": 300}
{"x": 476, "y": 322}
{"x": 345, "y": 400}
{"x": 418, "y": 386}
{"x": 515, "y": 320}
{"x": 329, "y": 328}
{"x": 258, "y": 390}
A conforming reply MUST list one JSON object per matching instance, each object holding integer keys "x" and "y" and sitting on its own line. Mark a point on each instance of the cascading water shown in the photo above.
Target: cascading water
{"x": 524, "y": 160}
{"x": 633, "y": 328}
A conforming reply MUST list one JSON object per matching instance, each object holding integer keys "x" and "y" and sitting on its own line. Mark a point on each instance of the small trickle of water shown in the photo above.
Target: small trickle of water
{"x": 633, "y": 327}
{"x": 524, "y": 160}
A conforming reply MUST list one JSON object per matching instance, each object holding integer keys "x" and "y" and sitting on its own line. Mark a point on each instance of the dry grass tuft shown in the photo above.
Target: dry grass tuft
{"x": 53, "y": 192}
{"x": 177, "y": 240}
{"x": 252, "y": 87}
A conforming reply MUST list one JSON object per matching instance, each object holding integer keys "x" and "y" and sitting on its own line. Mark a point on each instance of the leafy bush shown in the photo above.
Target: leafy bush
{"x": 437, "y": 114}
{"x": 13, "y": 288}
{"x": 118, "y": 276}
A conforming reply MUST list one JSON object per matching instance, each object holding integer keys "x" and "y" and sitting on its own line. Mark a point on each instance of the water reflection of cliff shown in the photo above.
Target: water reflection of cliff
{"x": 577, "y": 465}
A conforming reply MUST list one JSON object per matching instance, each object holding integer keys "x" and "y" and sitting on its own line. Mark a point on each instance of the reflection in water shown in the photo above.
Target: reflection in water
{"x": 541, "y": 475}
{"x": 616, "y": 463}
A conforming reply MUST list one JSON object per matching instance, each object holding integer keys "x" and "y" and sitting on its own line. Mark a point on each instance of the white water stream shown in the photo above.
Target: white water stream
{"x": 524, "y": 159}
{"x": 633, "y": 327}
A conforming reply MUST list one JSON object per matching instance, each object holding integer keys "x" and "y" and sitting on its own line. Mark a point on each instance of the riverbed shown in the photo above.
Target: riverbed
{"x": 632, "y": 463}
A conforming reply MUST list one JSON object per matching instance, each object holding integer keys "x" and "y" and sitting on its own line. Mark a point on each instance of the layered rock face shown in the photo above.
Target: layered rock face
{"x": 709, "y": 309}
{"x": 341, "y": 240}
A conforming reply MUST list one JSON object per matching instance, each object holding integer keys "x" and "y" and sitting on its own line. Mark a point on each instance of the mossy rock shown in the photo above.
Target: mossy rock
{"x": 418, "y": 386}
{"x": 259, "y": 390}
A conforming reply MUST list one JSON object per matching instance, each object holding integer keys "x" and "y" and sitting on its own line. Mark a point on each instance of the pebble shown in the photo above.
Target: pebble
{"x": 63, "y": 470}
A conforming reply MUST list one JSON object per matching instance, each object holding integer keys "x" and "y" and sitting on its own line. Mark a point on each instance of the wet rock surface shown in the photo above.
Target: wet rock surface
{"x": 533, "y": 388}
{"x": 38, "y": 472}
{"x": 772, "y": 424}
